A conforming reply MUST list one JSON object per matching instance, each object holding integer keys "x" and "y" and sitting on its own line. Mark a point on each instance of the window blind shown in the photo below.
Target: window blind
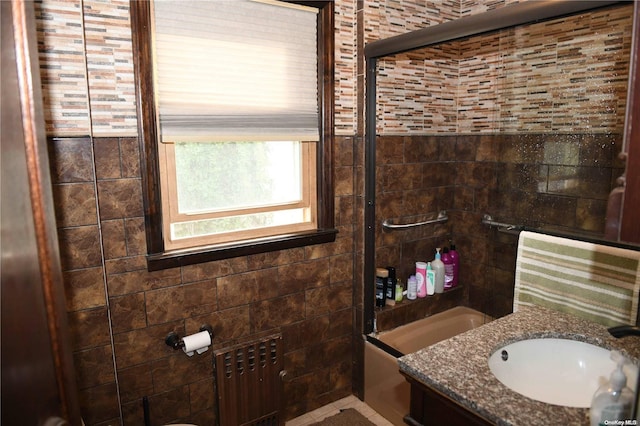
{"x": 235, "y": 70}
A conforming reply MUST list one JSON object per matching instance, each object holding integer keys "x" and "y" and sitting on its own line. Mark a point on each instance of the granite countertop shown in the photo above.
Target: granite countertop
{"x": 458, "y": 367}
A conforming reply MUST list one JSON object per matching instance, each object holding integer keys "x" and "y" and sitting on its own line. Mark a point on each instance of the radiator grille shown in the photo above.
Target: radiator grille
{"x": 248, "y": 384}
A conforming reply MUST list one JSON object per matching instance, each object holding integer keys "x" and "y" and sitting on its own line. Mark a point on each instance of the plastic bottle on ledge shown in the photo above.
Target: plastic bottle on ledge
{"x": 412, "y": 288}
{"x": 448, "y": 268}
{"x": 399, "y": 291}
{"x": 421, "y": 279}
{"x": 438, "y": 268}
{"x": 382, "y": 276}
{"x": 431, "y": 280}
{"x": 456, "y": 264}
{"x": 391, "y": 285}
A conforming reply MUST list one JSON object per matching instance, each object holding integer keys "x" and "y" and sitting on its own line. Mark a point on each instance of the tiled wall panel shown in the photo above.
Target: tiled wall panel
{"x": 345, "y": 67}
{"x": 472, "y": 7}
{"x": 62, "y": 67}
{"x": 387, "y": 18}
{"x": 107, "y": 31}
{"x": 417, "y": 91}
{"x": 86, "y": 67}
{"x": 119, "y": 350}
{"x": 542, "y": 181}
{"x": 478, "y": 97}
{"x": 511, "y": 64}
{"x": 565, "y": 75}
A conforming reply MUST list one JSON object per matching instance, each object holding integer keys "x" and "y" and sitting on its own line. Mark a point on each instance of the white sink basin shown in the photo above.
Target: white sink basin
{"x": 555, "y": 371}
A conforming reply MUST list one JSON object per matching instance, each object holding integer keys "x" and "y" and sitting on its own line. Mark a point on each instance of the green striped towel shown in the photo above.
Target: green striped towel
{"x": 592, "y": 281}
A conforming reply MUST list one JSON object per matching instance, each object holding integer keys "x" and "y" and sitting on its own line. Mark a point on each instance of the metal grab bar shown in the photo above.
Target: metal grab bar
{"x": 488, "y": 220}
{"x": 442, "y": 217}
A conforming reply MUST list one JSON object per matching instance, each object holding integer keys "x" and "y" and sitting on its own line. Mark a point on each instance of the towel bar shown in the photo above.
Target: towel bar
{"x": 442, "y": 217}
{"x": 488, "y": 220}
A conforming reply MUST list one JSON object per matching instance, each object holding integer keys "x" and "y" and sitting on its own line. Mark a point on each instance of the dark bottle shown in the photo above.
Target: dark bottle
{"x": 382, "y": 278}
{"x": 391, "y": 284}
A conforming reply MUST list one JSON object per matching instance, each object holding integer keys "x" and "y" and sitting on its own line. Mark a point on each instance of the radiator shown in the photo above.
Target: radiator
{"x": 248, "y": 384}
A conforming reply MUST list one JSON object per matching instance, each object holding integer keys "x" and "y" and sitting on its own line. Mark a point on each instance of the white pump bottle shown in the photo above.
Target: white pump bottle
{"x": 438, "y": 268}
{"x": 613, "y": 401}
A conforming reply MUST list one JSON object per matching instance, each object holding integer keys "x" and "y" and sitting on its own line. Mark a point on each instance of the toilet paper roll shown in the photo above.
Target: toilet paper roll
{"x": 198, "y": 342}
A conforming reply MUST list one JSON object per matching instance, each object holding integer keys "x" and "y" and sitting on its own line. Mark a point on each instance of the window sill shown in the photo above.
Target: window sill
{"x": 177, "y": 258}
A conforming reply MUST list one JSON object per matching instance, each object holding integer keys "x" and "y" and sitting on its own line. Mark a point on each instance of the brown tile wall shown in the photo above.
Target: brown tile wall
{"x": 414, "y": 183}
{"x": 120, "y": 314}
{"x": 554, "y": 182}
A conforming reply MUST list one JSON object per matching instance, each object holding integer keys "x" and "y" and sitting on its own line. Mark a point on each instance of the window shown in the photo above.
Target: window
{"x": 235, "y": 105}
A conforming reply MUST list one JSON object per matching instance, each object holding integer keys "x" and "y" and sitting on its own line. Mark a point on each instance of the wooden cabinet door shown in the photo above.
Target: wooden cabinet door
{"x": 38, "y": 383}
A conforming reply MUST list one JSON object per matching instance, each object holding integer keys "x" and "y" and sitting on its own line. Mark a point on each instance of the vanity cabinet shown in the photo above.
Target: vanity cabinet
{"x": 428, "y": 407}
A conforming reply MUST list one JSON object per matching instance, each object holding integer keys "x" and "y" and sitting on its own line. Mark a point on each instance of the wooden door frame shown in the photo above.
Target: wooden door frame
{"x": 630, "y": 218}
{"x": 36, "y": 346}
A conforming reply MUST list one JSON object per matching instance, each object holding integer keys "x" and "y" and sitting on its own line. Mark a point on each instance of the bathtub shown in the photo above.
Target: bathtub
{"x": 385, "y": 389}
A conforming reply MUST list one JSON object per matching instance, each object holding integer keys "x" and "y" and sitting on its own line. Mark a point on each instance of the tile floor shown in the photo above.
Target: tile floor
{"x": 335, "y": 407}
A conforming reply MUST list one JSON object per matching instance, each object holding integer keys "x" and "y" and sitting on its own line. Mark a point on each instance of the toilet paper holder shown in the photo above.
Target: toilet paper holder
{"x": 176, "y": 341}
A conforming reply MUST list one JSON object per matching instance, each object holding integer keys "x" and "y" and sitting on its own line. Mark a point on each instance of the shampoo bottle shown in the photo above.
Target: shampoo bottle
{"x": 448, "y": 268}
{"x": 613, "y": 401}
{"x": 421, "y": 278}
{"x": 456, "y": 264}
{"x": 382, "y": 278}
{"x": 431, "y": 280}
{"x": 412, "y": 288}
{"x": 399, "y": 291}
{"x": 438, "y": 268}
{"x": 391, "y": 284}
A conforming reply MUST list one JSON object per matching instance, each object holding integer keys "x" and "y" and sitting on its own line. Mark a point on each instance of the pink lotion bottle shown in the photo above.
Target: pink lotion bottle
{"x": 448, "y": 268}
{"x": 456, "y": 264}
{"x": 421, "y": 278}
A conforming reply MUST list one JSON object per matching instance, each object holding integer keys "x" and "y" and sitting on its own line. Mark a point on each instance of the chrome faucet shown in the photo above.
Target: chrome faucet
{"x": 624, "y": 330}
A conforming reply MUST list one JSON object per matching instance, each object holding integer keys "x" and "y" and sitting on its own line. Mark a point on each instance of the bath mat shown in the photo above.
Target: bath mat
{"x": 346, "y": 417}
{"x": 593, "y": 281}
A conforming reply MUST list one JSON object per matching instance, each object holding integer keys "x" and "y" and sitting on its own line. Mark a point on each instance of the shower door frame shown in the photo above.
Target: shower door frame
{"x": 506, "y": 17}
